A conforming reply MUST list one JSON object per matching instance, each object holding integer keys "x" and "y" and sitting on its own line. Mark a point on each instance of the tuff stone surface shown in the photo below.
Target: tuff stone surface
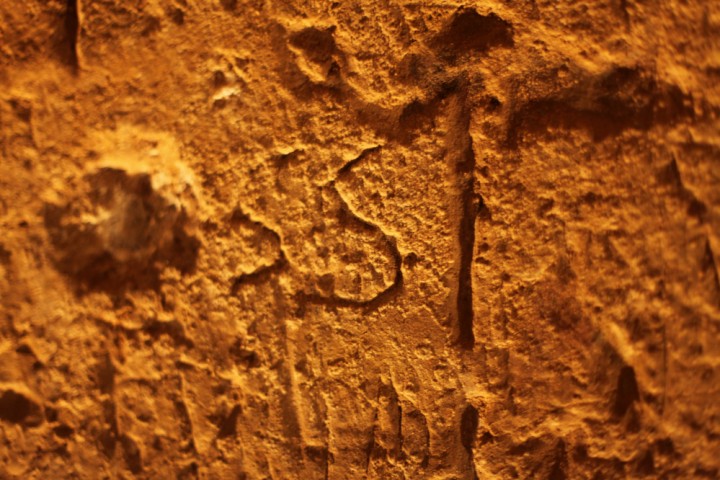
{"x": 266, "y": 239}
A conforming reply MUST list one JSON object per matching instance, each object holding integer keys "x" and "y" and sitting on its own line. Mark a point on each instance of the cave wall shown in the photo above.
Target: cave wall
{"x": 290, "y": 239}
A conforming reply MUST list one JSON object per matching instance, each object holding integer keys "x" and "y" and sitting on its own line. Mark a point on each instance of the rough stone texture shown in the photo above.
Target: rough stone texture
{"x": 289, "y": 239}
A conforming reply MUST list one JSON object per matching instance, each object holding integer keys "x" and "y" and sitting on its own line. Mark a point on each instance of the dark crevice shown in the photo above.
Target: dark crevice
{"x": 399, "y": 445}
{"x": 559, "y": 465}
{"x": 646, "y": 464}
{"x": 470, "y": 31}
{"x": 317, "y": 455}
{"x": 625, "y": 13}
{"x": 468, "y": 431}
{"x": 393, "y": 409}
{"x": 229, "y": 5}
{"x": 709, "y": 266}
{"x": 469, "y": 426}
{"x": 131, "y": 454}
{"x": 15, "y": 407}
{"x": 467, "y": 243}
{"x": 664, "y": 367}
{"x": 627, "y": 391}
{"x": 318, "y": 44}
{"x": 670, "y": 175}
{"x": 468, "y": 206}
{"x": 370, "y": 447}
{"x": 72, "y": 29}
{"x": 109, "y": 437}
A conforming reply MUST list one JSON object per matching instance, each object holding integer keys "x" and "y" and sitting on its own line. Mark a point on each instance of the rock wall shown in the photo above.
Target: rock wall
{"x": 290, "y": 239}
